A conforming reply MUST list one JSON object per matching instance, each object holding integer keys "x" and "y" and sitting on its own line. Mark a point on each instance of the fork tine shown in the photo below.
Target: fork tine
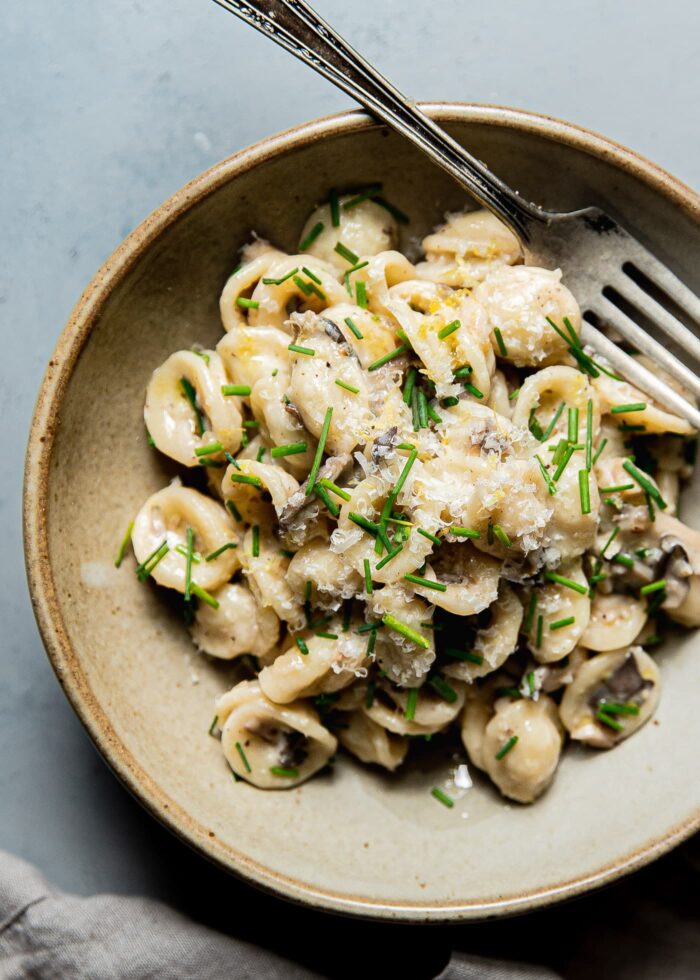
{"x": 666, "y": 321}
{"x": 662, "y": 276}
{"x": 627, "y": 328}
{"x": 639, "y": 375}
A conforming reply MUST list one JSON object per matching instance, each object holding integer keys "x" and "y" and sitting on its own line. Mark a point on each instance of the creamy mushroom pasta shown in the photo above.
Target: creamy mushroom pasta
{"x": 414, "y": 502}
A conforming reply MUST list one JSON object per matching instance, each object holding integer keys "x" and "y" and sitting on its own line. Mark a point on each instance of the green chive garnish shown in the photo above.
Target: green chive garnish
{"x": 402, "y": 218}
{"x": 551, "y": 486}
{"x": 584, "y": 491}
{"x": 284, "y": 771}
{"x": 157, "y": 555}
{"x": 244, "y": 758}
{"x": 335, "y": 208}
{"x": 442, "y": 797}
{"x": 345, "y": 253}
{"x": 599, "y": 450}
{"x": 327, "y": 636}
{"x": 431, "y": 537}
{"x": 309, "y": 351}
{"x": 656, "y": 586}
{"x": 387, "y": 558}
{"x": 253, "y": 481}
{"x": 255, "y": 545}
{"x": 426, "y": 582}
{"x": 213, "y": 447}
{"x": 213, "y": 725}
{"x": 561, "y": 623}
{"x": 505, "y": 749}
{"x": 472, "y": 658}
{"x": 422, "y": 409}
{"x": 409, "y": 386}
{"x": 343, "y": 384}
{"x": 540, "y": 626}
{"x": 500, "y": 341}
{"x": 221, "y": 550}
{"x": 473, "y": 390}
{"x": 635, "y": 407}
{"x": 589, "y": 434}
{"x": 204, "y": 595}
{"x": 290, "y": 449}
{"x": 338, "y": 491}
{"x": 242, "y": 390}
{"x": 569, "y": 452}
{"x": 501, "y": 535}
{"x": 124, "y": 545}
{"x": 443, "y": 689}
{"x": 278, "y": 282}
{"x": 572, "y": 434}
{"x": 188, "y": 564}
{"x": 301, "y": 643}
{"x": 259, "y": 455}
{"x": 622, "y": 559}
{"x": 615, "y": 708}
{"x": 569, "y": 583}
{"x": 322, "y": 494}
{"x": 351, "y": 325}
{"x": 645, "y": 483}
{"x": 388, "y": 357}
{"x": 312, "y": 236}
{"x": 368, "y": 577}
{"x": 463, "y": 532}
{"x": 247, "y": 304}
{"x": 411, "y": 702}
{"x": 618, "y": 489}
{"x": 313, "y": 473}
{"x": 362, "y": 196}
{"x": 610, "y": 540}
{"x": 364, "y": 523}
{"x": 361, "y": 294}
{"x": 448, "y": 329}
{"x": 530, "y": 614}
{"x": 234, "y": 511}
{"x": 606, "y": 719}
{"x": 191, "y": 396}
{"x": 395, "y": 624}
{"x": 463, "y": 372}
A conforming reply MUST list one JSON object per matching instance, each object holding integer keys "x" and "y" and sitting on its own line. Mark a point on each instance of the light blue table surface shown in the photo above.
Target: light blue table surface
{"x": 108, "y": 107}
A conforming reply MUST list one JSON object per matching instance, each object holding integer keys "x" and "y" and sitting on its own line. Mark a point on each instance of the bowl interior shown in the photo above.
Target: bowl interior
{"x": 356, "y": 840}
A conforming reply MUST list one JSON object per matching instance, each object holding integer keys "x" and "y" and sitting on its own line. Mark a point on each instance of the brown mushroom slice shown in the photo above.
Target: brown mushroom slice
{"x": 432, "y": 711}
{"x": 471, "y": 579}
{"x": 522, "y": 745}
{"x": 494, "y": 643}
{"x": 370, "y": 742}
{"x": 269, "y": 745}
{"x": 615, "y": 621}
{"x": 628, "y": 678}
{"x": 237, "y": 626}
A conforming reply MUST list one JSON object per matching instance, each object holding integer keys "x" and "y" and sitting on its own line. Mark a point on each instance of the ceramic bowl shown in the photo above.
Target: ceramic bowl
{"x": 357, "y": 841}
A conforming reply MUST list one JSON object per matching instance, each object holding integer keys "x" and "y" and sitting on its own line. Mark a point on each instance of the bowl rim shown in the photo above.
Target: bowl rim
{"x": 36, "y": 493}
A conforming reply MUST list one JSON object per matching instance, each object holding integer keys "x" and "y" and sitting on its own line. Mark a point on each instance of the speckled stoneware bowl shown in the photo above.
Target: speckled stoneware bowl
{"x": 357, "y": 841}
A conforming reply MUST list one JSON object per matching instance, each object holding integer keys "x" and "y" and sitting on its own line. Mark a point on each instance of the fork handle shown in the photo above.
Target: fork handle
{"x": 299, "y": 29}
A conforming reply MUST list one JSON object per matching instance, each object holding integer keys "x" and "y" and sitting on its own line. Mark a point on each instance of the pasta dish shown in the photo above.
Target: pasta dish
{"x": 413, "y": 502}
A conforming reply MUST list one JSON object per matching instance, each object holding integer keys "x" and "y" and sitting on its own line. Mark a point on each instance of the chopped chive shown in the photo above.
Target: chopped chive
{"x": 345, "y": 253}
{"x": 431, "y": 537}
{"x": 387, "y": 357}
{"x": 278, "y": 282}
{"x": 656, "y": 586}
{"x": 463, "y": 532}
{"x": 368, "y": 577}
{"x": 618, "y": 489}
{"x": 599, "y": 450}
{"x": 310, "y": 274}
{"x": 572, "y": 432}
{"x": 445, "y": 691}
{"x": 309, "y": 351}
{"x": 150, "y": 440}
{"x": 213, "y": 447}
{"x": 146, "y": 567}
{"x": 259, "y": 455}
{"x": 234, "y": 511}
{"x": 462, "y": 372}
{"x": 473, "y": 390}
{"x": 371, "y": 688}
{"x": 364, "y": 523}
{"x": 508, "y": 692}
{"x": 312, "y": 236}
{"x": 584, "y": 491}
{"x": 313, "y": 473}
{"x": 188, "y": 564}
{"x": 361, "y": 294}
{"x": 534, "y": 426}
{"x": 285, "y": 772}
{"x": 406, "y": 445}
{"x": 371, "y": 191}
{"x": 569, "y": 583}
{"x": 505, "y": 749}
{"x": 301, "y": 643}
{"x": 606, "y": 719}
{"x": 589, "y": 434}
{"x": 449, "y": 402}
{"x": 561, "y": 623}
{"x": 540, "y": 626}
{"x": 338, "y": 491}
{"x": 221, "y": 550}
{"x": 501, "y": 535}
{"x": 500, "y": 341}
{"x": 182, "y": 550}
{"x": 331, "y": 505}
{"x": 290, "y": 449}
{"x": 442, "y": 797}
{"x": 395, "y": 624}
{"x": 204, "y": 595}
{"x": 368, "y": 627}
{"x": 326, "y": 636}
{"x": 255, "y": 545}
{"x": 422, "y": 410}
{"x": 598, "y": 577}
{"x": 415, "y": 410}
{"x": 426, "y": 582}
{"x": 472, "y": 658}
{"x": 213, "y": 725}
{"x": 634, "y": 407}
{"x": 564, "y": 463}
{"x": 553, "y": 421}
{"x": 448, "y": 329}
{"x": 551, "y": 486}
{"x": 251, "y": 424}
{"x": 349, "y": 321}
{"x": 231, "y": 460}
{"x": 241, "y": 390}
{"x": 335, "y": 208}
{"x": 530, "y": 614}
{"x": 531, "y": 682}
{"x": 191, "y": 396}
{"x": 387, "y": 558}
{"x": 244, "y": 757}
{"x": 343, "y": 384}
{"x": 409, "y": 386}
{"x": 124, "y": 545}
{"x": 305, "y": 287}
{"x": 395, "y": 212}
{"x": 432, "y": 414}
{"x": 622, "y": 559}
{"x": 371, "y": 642}
{"x": 615, "y": 708}
{"x": 202, "y": 354}
{"x": 645, "y": 483}
{"x": 610, "y": 540}
{"x": 411, "y": 702}
{"x": 247, "y": 304}
{"x": 513, "y": 395}
{"x": 286, "y": 553}
{"x": 253, "y": 481}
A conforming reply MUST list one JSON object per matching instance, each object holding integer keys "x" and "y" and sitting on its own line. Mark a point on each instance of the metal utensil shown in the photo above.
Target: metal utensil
{"x": 616, "y": 280}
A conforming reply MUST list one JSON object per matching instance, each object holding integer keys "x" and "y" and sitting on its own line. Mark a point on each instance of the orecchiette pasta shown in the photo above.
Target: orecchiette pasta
{"x": 430, "y": 506}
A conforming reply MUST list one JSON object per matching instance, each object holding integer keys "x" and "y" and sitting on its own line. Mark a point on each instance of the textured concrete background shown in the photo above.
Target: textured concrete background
{"x": 107, "y": 108}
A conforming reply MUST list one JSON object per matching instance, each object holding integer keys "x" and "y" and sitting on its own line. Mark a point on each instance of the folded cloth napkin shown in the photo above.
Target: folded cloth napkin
{"x": 48, "y": 935}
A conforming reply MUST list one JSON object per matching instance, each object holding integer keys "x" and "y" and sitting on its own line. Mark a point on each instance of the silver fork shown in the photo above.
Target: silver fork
{"x": 600, "y": 261}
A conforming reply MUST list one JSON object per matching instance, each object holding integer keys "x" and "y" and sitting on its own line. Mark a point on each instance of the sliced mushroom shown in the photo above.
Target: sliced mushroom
{"x": 260, "y": 738}
{"x": 494, "y": 642}
{"x": 614, "y": 623}
{"x": 237, "y": 626}
{"x": 628, "y": 679}
{"x": 370, "y": 742}
{"x": 300, "y": 508}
